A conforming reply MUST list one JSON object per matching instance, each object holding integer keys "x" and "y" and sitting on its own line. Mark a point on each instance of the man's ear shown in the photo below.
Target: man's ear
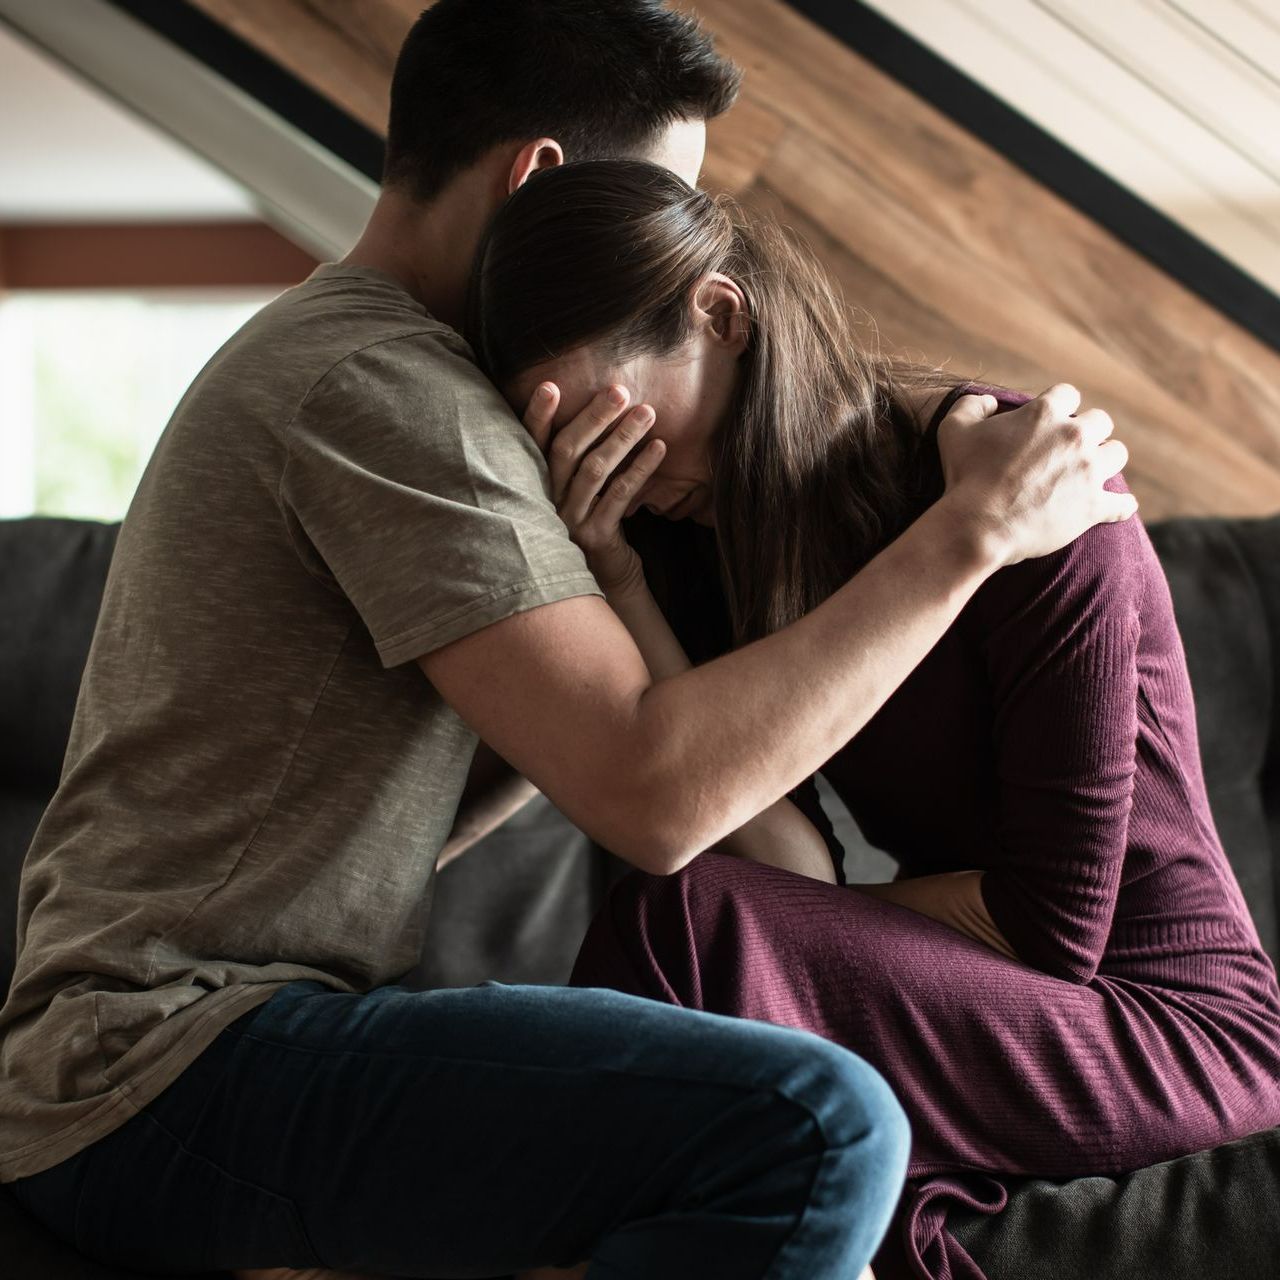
{"x": 541, "y": 153}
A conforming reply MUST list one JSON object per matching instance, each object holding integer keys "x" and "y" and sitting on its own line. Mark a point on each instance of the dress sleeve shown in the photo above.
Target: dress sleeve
{"x": 423, "y": 499}
{"x": 1059, "y": 638}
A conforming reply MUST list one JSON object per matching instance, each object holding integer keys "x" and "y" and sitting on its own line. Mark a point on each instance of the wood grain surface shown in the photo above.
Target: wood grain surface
{"x": 949, "y": 253}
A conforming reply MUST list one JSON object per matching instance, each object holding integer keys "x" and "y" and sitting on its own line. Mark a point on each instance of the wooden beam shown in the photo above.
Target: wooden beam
{"x": 148, "y": 256}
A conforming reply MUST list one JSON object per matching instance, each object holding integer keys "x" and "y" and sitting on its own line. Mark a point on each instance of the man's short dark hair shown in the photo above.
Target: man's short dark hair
{"x": 602, "y": 77}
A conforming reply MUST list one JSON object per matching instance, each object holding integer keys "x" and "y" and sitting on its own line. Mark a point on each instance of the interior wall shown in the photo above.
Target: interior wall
{"x": 952, "y": 255}
{"x": 144, "y": 255}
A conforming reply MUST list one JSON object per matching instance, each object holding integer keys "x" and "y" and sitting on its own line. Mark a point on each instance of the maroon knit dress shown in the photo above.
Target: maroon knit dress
{"x": 1049, "y": 739}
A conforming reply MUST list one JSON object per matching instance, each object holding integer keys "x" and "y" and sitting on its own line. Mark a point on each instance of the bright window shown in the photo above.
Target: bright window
{"x": 87, "y": 383}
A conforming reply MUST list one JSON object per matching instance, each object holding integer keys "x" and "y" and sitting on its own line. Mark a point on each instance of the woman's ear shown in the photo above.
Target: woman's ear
{"x": 720, "y": 310}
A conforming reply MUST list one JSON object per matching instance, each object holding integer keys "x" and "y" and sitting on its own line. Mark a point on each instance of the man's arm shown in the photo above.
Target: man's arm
{"x": 778, "y": 836}
{"x": 659, "y": 771}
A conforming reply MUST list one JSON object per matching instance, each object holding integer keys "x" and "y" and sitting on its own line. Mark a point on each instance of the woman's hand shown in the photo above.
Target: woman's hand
{"x": 953, "y": 898}
{"x": 597, "y": 470}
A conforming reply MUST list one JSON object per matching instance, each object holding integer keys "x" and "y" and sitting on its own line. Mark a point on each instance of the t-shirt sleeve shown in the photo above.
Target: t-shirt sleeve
{"x": 424, "y": 497}
{"x": 1059, "y": 638}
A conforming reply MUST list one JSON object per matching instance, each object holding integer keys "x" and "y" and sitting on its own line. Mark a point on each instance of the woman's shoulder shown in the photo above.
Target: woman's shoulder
{"x": 1103, "y": 574}
{"x": 932, "y": 404}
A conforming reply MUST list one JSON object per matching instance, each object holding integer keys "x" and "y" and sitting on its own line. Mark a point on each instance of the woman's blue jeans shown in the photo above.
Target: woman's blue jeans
{"x": 482, "y": 1131}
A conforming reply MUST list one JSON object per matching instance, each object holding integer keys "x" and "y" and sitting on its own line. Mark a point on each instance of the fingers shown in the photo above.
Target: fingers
{"x": 540, "y": 413}
{"x": 594, "y": 474}
{"x": 1110, "y": 458}
{"x": 1095, "y": 425}
{"x": 1116, "y": 507}
{"x": 618, "y": 497}
{"x": 971, "y": 409}
{"x": 574, "y": 440}
{"x": 1062, "y": 398}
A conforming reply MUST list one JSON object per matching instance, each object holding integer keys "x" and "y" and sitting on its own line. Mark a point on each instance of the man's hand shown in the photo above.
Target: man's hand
{"x": 660, "y": 770}
{"x": 1030, "y": 481}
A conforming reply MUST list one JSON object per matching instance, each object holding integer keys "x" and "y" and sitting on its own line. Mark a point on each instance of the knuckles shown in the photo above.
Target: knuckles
{"x": 563, "y": 448}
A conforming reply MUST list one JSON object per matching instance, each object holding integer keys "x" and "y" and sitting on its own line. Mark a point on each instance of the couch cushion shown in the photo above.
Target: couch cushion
{"x": 1210, "y": 1216}
{"x": 1259, "y": 542}
{"x": 515, "y": 906}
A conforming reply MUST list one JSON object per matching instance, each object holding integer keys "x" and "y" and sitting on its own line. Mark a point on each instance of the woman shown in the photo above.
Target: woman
{"x": 1064, "y": 980}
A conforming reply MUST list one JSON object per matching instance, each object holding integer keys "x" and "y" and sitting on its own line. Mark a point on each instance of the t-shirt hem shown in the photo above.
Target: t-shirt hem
{"x": 129, "y": 1098}
{"x": 477, "y": 614}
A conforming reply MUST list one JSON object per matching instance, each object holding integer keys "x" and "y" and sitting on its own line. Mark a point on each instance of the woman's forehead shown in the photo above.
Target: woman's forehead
{"x": 581, "y": 375}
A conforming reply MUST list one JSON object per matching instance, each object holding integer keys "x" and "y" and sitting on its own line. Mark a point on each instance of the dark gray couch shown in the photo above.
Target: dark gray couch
{"x": 515, "y": 906}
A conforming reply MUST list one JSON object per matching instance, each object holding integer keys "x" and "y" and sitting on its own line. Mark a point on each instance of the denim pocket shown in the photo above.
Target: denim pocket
{"x": 148, "y": 1202}
{"x": 52, "y": 1196}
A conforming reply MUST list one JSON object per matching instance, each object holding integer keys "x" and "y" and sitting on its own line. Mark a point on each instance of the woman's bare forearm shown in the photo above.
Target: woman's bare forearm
{"x": 729, "y": 738}
{"x": 780, "y": 836}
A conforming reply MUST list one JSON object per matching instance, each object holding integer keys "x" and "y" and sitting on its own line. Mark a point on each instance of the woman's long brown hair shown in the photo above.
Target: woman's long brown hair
{"x": 820, "y": 462}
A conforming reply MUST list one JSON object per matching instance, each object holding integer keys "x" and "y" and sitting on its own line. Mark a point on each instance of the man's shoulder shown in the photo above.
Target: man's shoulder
{"x": 318, "y": 326}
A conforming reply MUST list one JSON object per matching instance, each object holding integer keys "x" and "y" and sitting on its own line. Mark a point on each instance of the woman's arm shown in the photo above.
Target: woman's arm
{"x": 780, "y": 836}
{"x": 953, "y": 898}
{"x": 1059, "y": 638}
{"x": 1060, "y": 645}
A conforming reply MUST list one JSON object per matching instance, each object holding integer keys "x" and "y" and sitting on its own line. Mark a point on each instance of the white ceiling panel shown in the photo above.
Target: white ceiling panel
{"x": 1177, "y": 100}
{"x": 69, "y": 153}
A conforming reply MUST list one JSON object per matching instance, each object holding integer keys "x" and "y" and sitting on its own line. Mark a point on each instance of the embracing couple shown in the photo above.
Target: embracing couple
{"x": 933, "y": 593}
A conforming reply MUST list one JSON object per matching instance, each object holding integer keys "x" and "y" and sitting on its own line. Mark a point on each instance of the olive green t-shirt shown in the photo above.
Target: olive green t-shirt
{"x": 259, "y": 778}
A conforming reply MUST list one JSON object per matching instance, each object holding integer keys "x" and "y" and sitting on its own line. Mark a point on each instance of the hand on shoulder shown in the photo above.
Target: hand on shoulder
{"x": 1031, "y": 480}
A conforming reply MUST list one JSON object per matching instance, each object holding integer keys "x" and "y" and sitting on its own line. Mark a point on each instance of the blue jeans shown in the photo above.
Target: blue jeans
{"x": 482, "y": 1131}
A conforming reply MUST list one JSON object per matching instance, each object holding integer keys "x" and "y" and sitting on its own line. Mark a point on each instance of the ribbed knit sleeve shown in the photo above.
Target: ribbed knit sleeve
{"x": 1059, "y": 638}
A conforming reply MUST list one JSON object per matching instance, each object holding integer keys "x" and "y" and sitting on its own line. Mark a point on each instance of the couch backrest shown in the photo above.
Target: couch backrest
{"x": 1224, "y": 575}
{"x": 52, "y": 573}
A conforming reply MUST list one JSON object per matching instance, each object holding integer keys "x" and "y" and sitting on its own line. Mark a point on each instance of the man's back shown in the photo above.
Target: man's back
{"x": 255, "y": 791}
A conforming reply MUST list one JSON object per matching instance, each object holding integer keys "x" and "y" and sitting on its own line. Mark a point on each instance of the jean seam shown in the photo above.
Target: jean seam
{"x": 295, "y": 1214}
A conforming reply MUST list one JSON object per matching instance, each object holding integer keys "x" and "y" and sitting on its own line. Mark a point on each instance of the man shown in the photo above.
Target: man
{"x": 206, "y": 1061}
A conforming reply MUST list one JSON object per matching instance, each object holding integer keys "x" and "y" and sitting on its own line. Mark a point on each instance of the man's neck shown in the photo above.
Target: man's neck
{"x": 426, "y": 248}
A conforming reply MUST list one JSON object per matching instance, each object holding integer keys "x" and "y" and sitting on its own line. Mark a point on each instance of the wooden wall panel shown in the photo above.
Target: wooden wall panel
{"x": 958, "y": 257}
{"x": 1181, "y": 103}
{"x": 147, "y": 255}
